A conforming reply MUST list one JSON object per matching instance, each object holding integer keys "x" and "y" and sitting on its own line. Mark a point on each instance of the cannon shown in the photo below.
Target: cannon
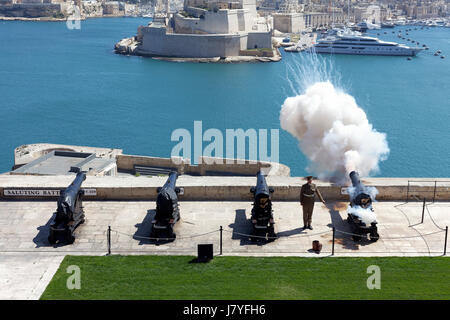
{"x": 69, "y": 213}
{"x": 262, "y": 216}
{"x": 361, "y": 215}
{"x": 167, "y": 210}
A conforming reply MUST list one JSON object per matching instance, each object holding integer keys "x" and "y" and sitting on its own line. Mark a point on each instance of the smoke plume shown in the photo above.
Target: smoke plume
{"x": 365, "y": 215}
{"x": 333, "y": 132}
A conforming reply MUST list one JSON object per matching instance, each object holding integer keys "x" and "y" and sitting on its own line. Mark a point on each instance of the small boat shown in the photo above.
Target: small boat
{"x": 387, "y": 25}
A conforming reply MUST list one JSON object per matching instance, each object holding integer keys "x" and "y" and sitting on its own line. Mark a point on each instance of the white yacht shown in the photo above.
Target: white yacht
{"x": 351, "y": 42}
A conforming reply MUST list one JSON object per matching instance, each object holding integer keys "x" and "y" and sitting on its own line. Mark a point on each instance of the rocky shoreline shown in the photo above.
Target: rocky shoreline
{"x": 33, "y": 19}
{"x": 130, "y": 47}
{"x": 52, "y": 19}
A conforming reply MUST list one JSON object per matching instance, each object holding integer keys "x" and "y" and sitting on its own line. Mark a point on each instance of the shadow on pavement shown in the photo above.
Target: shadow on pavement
{"x": 336, "y": 221}
{"x": 144, "y": 229}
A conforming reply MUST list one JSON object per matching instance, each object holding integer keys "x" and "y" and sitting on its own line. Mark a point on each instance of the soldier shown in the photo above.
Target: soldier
{"x": 307, "y": 194}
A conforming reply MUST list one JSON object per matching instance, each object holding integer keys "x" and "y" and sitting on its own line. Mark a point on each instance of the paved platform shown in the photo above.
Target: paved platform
{"x": 28, "y": 261}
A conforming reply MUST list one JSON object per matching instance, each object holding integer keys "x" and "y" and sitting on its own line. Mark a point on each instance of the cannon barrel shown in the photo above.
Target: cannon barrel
{"x": 354, "y": 176}
{"x": 261, "y": 186}
{"x": 356, "y": 182}
{"x": 167, "y": 199}
{"x": 68, "y": 197}
{"x": 262, "y": 194}
{"x": 171, "y": 181}
{"x": 360, "y": 196}
{"x": 69, "y": 213}
{"x": 262, "y": 217}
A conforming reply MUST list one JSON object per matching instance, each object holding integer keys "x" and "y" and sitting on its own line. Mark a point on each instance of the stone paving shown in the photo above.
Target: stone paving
{"x": 25, "y": 276}
{"x": 28, "y": 262}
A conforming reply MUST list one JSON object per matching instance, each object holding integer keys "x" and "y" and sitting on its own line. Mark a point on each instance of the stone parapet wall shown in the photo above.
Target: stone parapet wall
{"x": 220, "y": 188}
{"x": 206, "y": 165}
{"x": 156, "y": 42}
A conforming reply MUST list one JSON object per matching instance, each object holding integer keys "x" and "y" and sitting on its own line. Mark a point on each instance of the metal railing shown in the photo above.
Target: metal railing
{"x": 333, "y": 229}
{"x": 434, "y": 185}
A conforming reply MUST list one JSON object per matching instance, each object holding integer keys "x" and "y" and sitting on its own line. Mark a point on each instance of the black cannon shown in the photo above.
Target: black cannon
{"x": 167, "y": 210}
{"x": 69, "y": 213}
{"x": 262, "y": 216}
{"x": 361, "y": 209}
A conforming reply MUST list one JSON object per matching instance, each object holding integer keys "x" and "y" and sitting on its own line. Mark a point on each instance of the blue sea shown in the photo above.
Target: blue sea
{"x": 68, "y": 87}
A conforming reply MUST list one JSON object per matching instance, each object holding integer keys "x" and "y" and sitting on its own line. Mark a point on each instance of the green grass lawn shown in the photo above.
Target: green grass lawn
{"x": 174, "y": 277}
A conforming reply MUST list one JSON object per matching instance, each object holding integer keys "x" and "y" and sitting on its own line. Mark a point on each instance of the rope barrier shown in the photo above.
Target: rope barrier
{"x": 392, "y": 238}
{"x": 426, "y": 207}
{"x": 277, "y": 237}
{"x": 151, "y": 238}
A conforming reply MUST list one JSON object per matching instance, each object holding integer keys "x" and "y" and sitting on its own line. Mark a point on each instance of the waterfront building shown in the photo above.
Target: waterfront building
{"x": 206, "y": 29}
{"x": 316, "y": 20}
{"x": 288, "y": 19}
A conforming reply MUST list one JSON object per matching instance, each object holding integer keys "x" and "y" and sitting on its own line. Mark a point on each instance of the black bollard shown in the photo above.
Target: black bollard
{"x": 332, "y": 247}
{"x": 221, "y": 230}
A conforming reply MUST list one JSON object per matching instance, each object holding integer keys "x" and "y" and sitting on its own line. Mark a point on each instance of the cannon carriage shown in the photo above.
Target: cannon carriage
{"x": 360, "y": 201}
{"x": 69, "y": 212}
{"x": 167, "y": 210}
{"x": 262, "y": 214}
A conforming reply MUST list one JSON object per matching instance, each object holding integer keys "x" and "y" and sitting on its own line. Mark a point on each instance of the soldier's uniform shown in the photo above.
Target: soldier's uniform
{"x": 307, "y": 195}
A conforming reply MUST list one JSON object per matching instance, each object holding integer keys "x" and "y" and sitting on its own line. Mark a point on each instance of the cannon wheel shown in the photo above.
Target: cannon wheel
{"x": 374, "y": 236}
{"x": 69, "y": 237}
{"x": 271, "y": 235}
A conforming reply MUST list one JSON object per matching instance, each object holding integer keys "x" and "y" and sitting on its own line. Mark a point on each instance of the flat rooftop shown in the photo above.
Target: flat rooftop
{"x": 58, "y": 162}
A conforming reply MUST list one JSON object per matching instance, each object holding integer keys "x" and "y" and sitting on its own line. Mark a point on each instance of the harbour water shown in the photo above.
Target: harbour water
{"x": 67, "y": 86}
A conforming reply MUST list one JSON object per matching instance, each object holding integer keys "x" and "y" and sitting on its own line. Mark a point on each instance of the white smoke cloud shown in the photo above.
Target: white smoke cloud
{"x": 333, "y": 132}
{"x": 365, "y": 215}
{"x": 371, "y": 191}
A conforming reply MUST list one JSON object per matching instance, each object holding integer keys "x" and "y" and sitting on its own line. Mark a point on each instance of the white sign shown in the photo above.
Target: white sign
{"x": 41, "y": 192}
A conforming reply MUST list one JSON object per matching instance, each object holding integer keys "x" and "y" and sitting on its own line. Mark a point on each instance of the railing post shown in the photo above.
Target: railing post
{"x": 332, "y": 247}
{"x": 445, "y": 244}
{"x": 108, "y": 236}
{"x": 221, "y": 230}
{"x": 423, "y": 209}
{"x": 434, "y": 193}
{"x": 407, "y": 193}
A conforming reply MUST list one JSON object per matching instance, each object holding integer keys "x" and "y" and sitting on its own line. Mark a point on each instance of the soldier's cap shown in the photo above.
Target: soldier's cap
{"x": 308, "y": 177}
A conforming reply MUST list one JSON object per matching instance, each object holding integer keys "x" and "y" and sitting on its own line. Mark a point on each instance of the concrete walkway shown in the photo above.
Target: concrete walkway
{"x": 24, "y": 276}
{"x": 28, "y": 262}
